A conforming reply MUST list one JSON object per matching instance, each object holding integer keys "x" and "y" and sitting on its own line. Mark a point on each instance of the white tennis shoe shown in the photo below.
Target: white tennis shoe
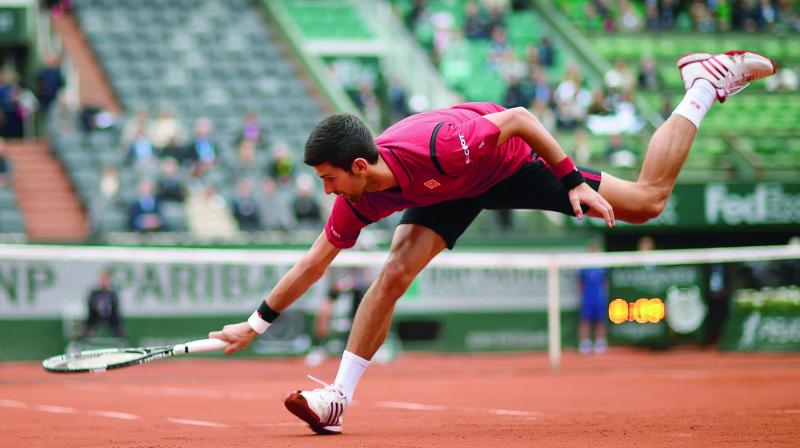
{"x": 321, "y": 408}
{"x": 728, "y": 72}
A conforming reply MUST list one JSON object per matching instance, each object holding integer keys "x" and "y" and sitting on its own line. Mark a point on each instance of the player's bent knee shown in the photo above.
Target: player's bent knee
{"x": 396, "y": 278}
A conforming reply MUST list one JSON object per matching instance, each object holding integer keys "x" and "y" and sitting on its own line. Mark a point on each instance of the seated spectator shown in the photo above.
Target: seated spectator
{"x": 109, "y": 183}
{"x": 166, "y": 128}
{"x": 514, "y": 96}
{"x": 203, "y": 149}
{"x": 281, "y": 167}
{"x": 175, "y": 150}
{"x": 649, "y": 78}
{"x": 170, "y": 185}
{"x": 49, "y": 82}
{"x": 544, "y": 114}
{"x": 144, "y": 215}
{"x": 274, "y": 206}
{"x": 251, "y": 130}
{"x": 306, "y": 208}
{"x": 598, "y": 104}
{"x": 582, "y": 149}
{"x": 629, "y": 19}
{"x": 498, "y": 46}
{"x": 545, "y": 52}
{"x": 244, "y": 207}
{"x": 617, "y": 153}
{"x": 475, "y": 24}
{"x": 141, "y": 153}
{"x": 140, "y": 122}
{"x": 5, "y": 166}
{"x": 571, "y": 100}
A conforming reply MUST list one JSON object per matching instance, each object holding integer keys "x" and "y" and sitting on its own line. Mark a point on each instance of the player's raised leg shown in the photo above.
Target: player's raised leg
{"x": 413, "y": 247}
{"x": 708, "y": 78}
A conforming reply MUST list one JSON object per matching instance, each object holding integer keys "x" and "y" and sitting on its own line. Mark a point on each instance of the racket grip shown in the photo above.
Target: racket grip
{"x": 200, "y": 346}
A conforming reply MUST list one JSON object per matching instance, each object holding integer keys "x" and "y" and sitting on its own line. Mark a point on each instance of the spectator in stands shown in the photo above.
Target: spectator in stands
{"x": 620, "y": 78}
{"x": 666, "y": 107}
{"x": 514, "y": 96}
{"x": 544, "y": 114}
{"x": 496, "y": 14}
{"x": 571, "y": 99}
{"x": 788, "y": 17}
{"x": 244, "y": 207}
{"x": 649, "y": 78}
{"x": 766, "y": 15}
{"x": 144, "y": 215}
{"x": 175, "y": 150}
{"x": 246, "y": 164}
{"x": 498, "y": 46}
{"x": 203, "y": 149}
{"x": 5, "y": 166}
{"x": 273, "y": 206}
{"x": 475, "y": 24}
{"x": 581, "y": 148}
{"x": 251, "y": 130}
{"x": 703, "y": 20}
{"x": 741, "y": 16}
{"x": 166, "y": 128}
{"x": 366, "y": 100}
{"x": 138, "y": 123}
{"x": 617, "y": 153}
{"x": 598, "y": 104}
{"x": 629, "y": 19}
{"x": 49, "y": 82}
{"x": 103, "y": 308}
{"x": 546, "y": 52}
{"x": 652, "y": 18}
{"x": 281, "y": 167}
{"x": 417, "y": 13}
{"x": 170, "y": 185}
{"x": 667, "y": 14}
{"x": 95, "y": 118}
{"x": 109, "y": 183}
{"x": 141, "y": 153}
{"x": 398, "y": 100}
{"x": 540, "y": 89}
{"x": 11, "y": 105}
{"x": 306, "y": 208}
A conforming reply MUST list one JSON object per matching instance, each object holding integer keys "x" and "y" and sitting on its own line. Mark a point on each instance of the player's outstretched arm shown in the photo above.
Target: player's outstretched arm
{"x": 290, "y": 287}
{"x": 520, "y": 122}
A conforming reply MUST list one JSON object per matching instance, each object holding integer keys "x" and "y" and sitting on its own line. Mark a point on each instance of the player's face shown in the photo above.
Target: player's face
{"x": 340, "y": 182}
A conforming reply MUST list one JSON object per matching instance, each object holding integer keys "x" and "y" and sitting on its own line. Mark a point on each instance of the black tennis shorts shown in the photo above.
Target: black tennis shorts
{"x": 532, "y": 187}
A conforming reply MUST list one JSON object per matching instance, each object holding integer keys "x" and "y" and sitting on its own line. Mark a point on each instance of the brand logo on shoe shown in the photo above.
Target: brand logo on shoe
{"x": 431, "y": 184}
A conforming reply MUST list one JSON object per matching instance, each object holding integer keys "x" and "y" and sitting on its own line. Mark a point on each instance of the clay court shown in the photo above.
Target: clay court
{"x": 624, "y": 398}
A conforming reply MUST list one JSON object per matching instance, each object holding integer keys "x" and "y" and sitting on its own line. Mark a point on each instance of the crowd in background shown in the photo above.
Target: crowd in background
{"x": 698, "y": 15}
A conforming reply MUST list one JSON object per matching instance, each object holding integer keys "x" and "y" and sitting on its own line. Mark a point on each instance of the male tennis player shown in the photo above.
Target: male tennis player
{"x": 443, "y": 167}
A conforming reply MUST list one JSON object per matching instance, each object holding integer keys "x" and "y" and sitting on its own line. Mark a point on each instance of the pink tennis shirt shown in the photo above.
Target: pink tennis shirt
{"x": 435, "y": 156}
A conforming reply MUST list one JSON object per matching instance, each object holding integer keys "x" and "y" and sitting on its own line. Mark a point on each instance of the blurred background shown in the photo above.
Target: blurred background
{"x": 179, "y": 125}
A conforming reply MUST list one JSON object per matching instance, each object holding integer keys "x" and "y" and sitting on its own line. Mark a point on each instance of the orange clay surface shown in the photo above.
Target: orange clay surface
{"x": 623, "y": 398}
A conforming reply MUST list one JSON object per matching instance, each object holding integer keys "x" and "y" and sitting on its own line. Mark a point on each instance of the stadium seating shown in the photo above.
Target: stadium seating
{"x": 213, "y": 59}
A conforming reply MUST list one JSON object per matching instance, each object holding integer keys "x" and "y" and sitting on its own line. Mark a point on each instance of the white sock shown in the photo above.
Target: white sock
{"x": 350, "y": 370}
{"x": 697, "y": 102}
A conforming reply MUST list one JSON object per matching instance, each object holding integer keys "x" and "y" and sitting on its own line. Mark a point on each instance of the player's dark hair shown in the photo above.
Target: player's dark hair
{"x": 339, "y": 140}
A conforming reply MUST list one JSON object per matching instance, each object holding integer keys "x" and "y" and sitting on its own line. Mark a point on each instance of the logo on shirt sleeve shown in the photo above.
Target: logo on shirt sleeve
{"x": 464, "y": 147}
{"x": 431, "y": 184}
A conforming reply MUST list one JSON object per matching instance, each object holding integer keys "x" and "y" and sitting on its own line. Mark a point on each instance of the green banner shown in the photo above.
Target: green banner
{"x": 726, "y": 205}
{"x": 13, "y": 25}
{"x": 766, "y": 319}
{"x": 677, "y": 287}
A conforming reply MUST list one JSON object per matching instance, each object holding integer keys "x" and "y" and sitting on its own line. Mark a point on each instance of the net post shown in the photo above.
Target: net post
{"x": 553, "y": 315}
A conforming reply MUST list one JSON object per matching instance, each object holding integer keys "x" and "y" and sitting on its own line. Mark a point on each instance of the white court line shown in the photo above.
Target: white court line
{"x": 411, "y": 406}
{"x": 13, "y": 404}
{"x": 176, "y": 391}
{"x": 184, "y": 421}
{"x": 112, "y": 414}
{"x": 55, "y": 409}
{"x": 510, "y": 412}
{"x": 432, "y": 407}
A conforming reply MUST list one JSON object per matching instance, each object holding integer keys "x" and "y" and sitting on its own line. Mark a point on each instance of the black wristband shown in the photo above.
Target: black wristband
{"x": 572, "y": 180}
{"x": 266, "y": 313}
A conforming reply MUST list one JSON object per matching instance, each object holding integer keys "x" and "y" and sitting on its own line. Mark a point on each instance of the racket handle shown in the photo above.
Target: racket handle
{"x": 200, "y": 346}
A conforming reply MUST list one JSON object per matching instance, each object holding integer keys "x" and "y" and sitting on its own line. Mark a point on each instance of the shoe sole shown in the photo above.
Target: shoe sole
{"x": 297, "y": 405}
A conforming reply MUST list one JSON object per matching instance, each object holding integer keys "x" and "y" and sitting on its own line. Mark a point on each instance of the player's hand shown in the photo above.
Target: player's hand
{"x": 239, "y": 336}
{"x": 584, "y": 194}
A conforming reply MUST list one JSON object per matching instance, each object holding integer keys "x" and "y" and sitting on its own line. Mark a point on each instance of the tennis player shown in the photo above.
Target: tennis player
{"x": 443, "y": 167}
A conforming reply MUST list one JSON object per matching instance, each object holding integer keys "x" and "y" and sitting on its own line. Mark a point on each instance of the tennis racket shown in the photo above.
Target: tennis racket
{"x": 114, "y": 358}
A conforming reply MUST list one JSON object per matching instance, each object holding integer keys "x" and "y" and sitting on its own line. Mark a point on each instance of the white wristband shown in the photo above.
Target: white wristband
{"x": 258, "y": 324}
